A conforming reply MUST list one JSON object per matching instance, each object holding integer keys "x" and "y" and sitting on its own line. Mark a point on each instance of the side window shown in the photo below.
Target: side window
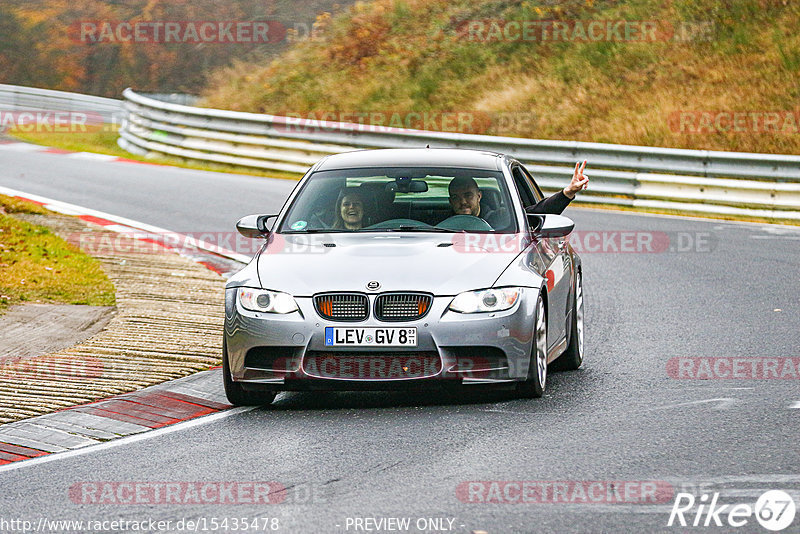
{"x": 536, "y": 191}
{"x": 523, "y": 186}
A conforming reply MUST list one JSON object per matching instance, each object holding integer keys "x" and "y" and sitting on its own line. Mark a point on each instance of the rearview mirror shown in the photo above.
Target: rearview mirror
{"x": 254, "y": 225}
{"x": 550, "y": 225}
{"x": 408, "y": 185}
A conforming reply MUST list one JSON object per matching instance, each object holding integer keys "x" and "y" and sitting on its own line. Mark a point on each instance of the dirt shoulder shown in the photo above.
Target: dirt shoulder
{"x": 31, "y": 330}
{"x": 168, "y": 324}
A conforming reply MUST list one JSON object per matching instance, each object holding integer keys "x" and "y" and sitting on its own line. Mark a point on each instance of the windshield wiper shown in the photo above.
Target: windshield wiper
{"x": 317, "y": 231}
{"x": 409, "y": 228}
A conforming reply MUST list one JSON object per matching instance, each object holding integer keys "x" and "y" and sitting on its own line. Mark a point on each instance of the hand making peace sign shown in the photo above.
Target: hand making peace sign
{"x": 579, "y": 181}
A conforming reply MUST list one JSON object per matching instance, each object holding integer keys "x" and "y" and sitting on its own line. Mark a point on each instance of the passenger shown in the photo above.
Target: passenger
{"x": 349, "y": 210}
{"x": 557, "y": 203}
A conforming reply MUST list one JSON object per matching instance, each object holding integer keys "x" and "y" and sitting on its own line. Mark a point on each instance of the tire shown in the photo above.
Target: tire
{"x": 236, "y": 394}
{"x": 533, "y": 386}
{"x": 572, "y": 358}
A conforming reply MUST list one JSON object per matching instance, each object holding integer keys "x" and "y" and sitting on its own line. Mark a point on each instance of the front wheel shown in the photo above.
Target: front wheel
{"x": 572, "y": 358}
{"x": 236, "y": 394}
{"x": 533, "y": 386}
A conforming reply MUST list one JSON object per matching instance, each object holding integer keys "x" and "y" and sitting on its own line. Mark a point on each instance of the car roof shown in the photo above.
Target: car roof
{"x": 413, "y": 157}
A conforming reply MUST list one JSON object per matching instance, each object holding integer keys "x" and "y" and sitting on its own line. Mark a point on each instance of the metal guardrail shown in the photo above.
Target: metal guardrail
{"x": 694, "y": 181}
{"x": 174, "y": 98}
{"x": 688, "y": 181}
{"x": 18, "y": 98}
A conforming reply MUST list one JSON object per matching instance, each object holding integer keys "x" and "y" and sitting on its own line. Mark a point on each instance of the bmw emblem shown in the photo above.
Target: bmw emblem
{"x": 373, "y": 285}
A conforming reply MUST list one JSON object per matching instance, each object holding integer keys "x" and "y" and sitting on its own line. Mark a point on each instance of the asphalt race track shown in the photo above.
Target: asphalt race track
{"x": 708, "y": 289}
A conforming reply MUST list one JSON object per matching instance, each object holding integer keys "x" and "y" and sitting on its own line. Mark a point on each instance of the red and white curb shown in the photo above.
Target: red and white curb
{"x": 123, "y": 415}
{"x": 19, "y": 146}
{"x": 138, "y": 230}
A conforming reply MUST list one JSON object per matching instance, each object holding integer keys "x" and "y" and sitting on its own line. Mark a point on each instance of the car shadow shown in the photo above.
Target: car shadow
{"x": 336, "y": 400}
{"x": 464, "y": 396}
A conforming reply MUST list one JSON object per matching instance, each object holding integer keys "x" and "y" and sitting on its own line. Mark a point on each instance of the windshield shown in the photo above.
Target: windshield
{"x": 417, "y": 199}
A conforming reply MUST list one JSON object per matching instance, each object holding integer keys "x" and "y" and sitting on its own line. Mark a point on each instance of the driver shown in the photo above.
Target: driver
{"x": 465, "y": 196}
{"x": 465, "y": 199}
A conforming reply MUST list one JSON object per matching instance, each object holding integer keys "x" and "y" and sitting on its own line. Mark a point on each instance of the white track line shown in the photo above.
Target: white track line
{"x": 21, "y": 147}
{"x": 73, "y": 209}
{"x": 203, "y": 420}
{"x": 723, "y": 403}
{"x": 91, "y": 156}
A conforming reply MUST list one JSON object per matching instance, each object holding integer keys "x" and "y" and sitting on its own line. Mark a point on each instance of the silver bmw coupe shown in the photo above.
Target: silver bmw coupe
{"x": 405, "y": 268}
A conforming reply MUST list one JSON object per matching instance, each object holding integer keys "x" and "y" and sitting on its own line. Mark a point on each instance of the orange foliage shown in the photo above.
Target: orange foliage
{"x": 41, "y": 44}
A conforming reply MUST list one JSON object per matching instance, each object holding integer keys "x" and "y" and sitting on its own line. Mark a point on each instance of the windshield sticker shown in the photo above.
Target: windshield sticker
{"x": 299, "y": 225}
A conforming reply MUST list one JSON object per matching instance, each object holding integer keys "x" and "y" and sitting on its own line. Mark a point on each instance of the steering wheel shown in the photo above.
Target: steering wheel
{"x": 465, "y": 222}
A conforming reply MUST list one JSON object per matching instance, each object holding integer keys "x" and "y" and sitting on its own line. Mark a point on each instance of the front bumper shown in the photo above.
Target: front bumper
{"x": 288, "y": 352}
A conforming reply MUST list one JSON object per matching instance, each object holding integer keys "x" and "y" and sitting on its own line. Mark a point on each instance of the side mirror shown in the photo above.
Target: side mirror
{"x": 254, "y": 225}
{"x": 550, "y": 225}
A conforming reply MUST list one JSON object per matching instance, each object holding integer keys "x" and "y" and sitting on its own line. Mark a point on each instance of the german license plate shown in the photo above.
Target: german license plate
{"x": 370, "y": 337}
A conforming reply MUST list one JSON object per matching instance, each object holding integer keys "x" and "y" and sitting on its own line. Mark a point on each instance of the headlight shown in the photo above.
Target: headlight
{"x": 486, "y": 300}
{"x": 261, "y": 300}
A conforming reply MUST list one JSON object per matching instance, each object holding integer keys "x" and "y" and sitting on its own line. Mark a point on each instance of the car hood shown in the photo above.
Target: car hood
{"x": 305, "y": 264}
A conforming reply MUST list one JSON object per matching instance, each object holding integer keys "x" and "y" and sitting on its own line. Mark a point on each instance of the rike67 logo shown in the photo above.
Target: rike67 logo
{"x": 774, "y": 510}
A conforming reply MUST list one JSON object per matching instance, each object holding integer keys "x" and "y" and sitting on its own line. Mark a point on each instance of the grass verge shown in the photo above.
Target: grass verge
{"x": 38, "y": 266}
{"x": 676, "y": 87}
